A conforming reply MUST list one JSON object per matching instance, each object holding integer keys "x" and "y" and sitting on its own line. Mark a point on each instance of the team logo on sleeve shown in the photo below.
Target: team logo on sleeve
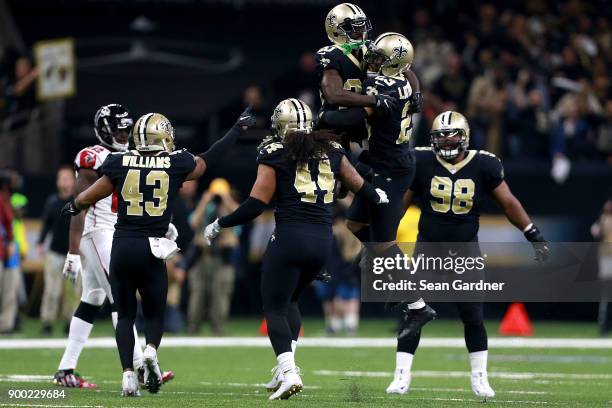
{"x": 87, "y": 160}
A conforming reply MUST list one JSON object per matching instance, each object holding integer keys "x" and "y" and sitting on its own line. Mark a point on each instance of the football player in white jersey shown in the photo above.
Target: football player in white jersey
{"x": 91, "y": 237}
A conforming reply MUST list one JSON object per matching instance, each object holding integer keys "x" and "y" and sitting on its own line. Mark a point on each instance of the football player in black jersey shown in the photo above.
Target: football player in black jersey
{"x": 451, "y": 182}
{"x": 145, "y": 182}
{"x": 298, "y": 168}
{"x": 390, "y": 157}
{"x": 341, "y": 68}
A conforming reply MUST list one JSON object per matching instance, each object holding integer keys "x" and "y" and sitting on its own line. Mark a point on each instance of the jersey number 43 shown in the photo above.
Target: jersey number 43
{"x": 130, "y": 192}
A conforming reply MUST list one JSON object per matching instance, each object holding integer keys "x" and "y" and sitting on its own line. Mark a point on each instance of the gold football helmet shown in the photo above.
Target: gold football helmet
{"x": 391, "y": 53}
{"x": 347, "y": 23}
{"x": 290, "y": 115}
{"x": 450, "y": 134}
{"x": 153, "y": 132}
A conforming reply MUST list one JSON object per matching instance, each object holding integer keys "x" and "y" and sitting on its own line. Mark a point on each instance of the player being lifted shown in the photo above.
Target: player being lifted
{"x": 147, "y": 181}
{"x": 342, "y": 71}
{"x": 451, "y": 183}
{"x": 90, "y": 237}
{"x": 298, "y": 168}
{"x": 390, "y": 157}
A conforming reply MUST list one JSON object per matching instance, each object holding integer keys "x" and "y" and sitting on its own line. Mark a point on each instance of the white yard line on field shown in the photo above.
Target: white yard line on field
{"x": 456, "y": 374}
{"x": 448, "y": 342}
{"x": 56, "y": 406}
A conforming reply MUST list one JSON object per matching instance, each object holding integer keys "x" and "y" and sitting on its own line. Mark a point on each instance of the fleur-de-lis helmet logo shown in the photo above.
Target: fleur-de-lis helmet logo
{"x": 400, "y": 51}
{"x": 331, "y": 20}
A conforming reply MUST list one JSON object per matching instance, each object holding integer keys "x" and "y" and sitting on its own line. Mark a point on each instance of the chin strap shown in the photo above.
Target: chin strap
{"x": 347, "y": 48}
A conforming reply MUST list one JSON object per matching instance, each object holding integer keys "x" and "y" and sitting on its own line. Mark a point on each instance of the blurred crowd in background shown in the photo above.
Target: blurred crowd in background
{"x": 532, "y": 77}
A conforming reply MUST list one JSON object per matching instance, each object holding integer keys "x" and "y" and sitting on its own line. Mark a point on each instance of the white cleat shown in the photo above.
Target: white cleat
{"x": 129, "y": 385}
{"x": 400, "y": 383}
{"x": 152, "y": 374}
{"x": 480, "y": 385}
{"x": 277, "y": 378}
{"x": 290, "y": 385}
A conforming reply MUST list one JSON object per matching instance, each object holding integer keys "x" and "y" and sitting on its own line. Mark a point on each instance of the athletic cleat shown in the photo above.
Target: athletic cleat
{"x": 291, "y": 385}
{"x": 480, "y": 385}
{"x": 153, "y": 378}
{"x": 277, "y": 378}
{"x": 400, "y": 383}
{"x": 166, "y": 376}
{"x": 414, "y": 320}
{"x": 129, "y": 385}
{"x": 70, "y": 379}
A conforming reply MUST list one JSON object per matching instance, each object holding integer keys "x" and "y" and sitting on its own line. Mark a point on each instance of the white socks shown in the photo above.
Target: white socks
{"x": 286, "y": 362}
{"x": 478, "y": 361}
{"x": 137, "y": 356}
{"x": 403, "y": 361}
{"x": 77, "y": 336}
{"x": 419, "y": 304}
{"x": 351, "y": 321}
{"x": 335, "y": 323}
{"x": 293, "y": 346}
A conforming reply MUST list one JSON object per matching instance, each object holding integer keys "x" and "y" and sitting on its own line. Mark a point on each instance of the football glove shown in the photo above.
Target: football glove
{"x": 385, "y": 103}
{"x": 382, "y": 196}
{"x": 211, "y": 231}
{"x": 246, "y": 118}
{"x": 172, "y": 233}
{"x": 72, "y": 267}
{"x": 416, "y": 103}
{"x": 70, "y": 209}
{"x": 540, "y": 247}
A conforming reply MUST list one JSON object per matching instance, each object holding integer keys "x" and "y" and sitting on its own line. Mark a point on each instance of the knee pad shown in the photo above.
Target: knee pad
{"x": 94, "y": 296}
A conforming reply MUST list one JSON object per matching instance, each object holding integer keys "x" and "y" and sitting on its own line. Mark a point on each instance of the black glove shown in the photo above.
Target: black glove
{"x": 70, "y": 209}
{"x": 540, "y": 248}
{"x": 246, "y": 118}
{"x": 385, "y": 103}
{"x": 416, "y": 102}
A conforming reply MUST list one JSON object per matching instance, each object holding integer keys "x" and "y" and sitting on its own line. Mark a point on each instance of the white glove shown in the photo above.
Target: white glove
{"x": 72, "y": 267}
{"x": 211, "y": 231}
{"x": 172, "y": 233}
{"x": 382, "y": 196}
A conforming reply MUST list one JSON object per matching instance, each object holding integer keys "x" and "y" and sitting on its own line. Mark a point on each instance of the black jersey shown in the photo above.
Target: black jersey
{"x": 389, "y": 134}
{"x": 350, "y": 70}
{"x": 451, "y": 195}
{"x": 145, "y": 189}
{"x": 304, "y": 191}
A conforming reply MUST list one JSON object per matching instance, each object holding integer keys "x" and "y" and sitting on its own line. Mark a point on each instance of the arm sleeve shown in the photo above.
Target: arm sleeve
{"x": 47, "y": 221}
{"x": 216, "y": 152}
{"x": 344, "y": 117}
{"x": 250, "y": 209}
{"x": 368, "y": 192}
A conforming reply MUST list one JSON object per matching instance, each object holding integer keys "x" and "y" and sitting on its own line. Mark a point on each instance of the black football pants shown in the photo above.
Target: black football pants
{"x": 133, "y": 268}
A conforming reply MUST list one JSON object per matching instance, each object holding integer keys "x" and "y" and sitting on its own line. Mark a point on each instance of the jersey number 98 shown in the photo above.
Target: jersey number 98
{"x": 458, "y": 197}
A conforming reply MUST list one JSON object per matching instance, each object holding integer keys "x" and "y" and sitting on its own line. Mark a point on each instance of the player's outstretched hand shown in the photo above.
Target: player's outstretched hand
{"x": 211, "y": 231}
{"x": 382, "y": 196}
{"x": 246, "y": 118}
{"x": 70, "y": 209}
{"x": 385, "y": 103}
{"x": 72, "y": 267}
{"x": 540, "y": 247}
{"x": 416, "y": 103}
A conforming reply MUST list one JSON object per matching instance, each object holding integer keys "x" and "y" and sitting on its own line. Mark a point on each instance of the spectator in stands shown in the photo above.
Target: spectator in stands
{"x": 60, "y": 297}
{"x": 21, "y": 93}
{"x": 602, "y": 232}
{"x": 449, "y": 92}
{"x": 7, "y": 246}
{"x": 211, "y": 280}
{"x": 11, "y": 285}
{"x": 570, "y": 135}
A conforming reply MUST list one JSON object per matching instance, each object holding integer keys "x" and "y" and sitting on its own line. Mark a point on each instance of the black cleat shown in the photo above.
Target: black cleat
{"x": 414, "y": 319}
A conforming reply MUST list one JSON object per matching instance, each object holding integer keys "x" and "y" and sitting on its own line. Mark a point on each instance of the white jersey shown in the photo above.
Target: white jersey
{"x": 103, "y": 214}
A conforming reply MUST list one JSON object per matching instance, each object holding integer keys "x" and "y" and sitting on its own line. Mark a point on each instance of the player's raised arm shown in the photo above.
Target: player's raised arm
{"x": 335, "y": 94}
{"x": 215, "y": 153}
{"x": 517, "y": 215}
{"x": 355, "y": 183}
{"x": 261, "y": 194}
{"x": 96, "y": 192}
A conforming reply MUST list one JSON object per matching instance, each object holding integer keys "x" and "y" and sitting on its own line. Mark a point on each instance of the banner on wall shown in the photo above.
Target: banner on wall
{"x": 55, "y": 60}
